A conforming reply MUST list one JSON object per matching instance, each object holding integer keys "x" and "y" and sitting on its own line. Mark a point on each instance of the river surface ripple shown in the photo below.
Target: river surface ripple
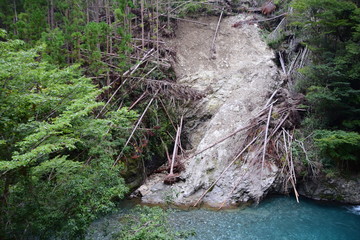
{"x": 274, "y": 218}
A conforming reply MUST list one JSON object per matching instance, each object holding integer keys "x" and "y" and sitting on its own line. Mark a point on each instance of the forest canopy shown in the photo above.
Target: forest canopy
{"x": 56, "y": 157}
{"x": 330, "y": 28}
{"x": 70, "y": 97}
{"x": 78, "y": 77}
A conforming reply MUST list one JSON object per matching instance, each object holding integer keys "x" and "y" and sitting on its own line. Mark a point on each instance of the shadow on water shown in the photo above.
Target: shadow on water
{"x": 277, "y": 217}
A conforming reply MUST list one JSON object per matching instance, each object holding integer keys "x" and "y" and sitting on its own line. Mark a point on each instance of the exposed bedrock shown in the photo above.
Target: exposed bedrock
{"x": 237, "y": 78}
{"x": 334, "y": 188}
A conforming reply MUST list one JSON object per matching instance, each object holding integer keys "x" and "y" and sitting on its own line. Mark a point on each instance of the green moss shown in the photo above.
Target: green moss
{"x": 193, "y": 9}
{"x": 339, "y": 198}
{"x": 209, "y": 170}
{"x": 150, "y": 223}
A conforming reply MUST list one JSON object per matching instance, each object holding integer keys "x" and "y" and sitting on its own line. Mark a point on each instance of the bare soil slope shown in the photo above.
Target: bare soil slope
{"x": 236, "y": 79}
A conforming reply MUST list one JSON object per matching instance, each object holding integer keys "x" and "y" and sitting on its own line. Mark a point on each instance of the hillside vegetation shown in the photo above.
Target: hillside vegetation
{"x": 88, "y": 100}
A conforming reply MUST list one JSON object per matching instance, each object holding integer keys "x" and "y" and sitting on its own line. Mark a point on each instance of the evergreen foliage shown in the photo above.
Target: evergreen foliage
{"x": 330, "y": 28}
{"x": 56, "y": 172}
{"x": 339, "y": 147}
{"x": 74, "y": 31}
{"x": 57, "y": 148}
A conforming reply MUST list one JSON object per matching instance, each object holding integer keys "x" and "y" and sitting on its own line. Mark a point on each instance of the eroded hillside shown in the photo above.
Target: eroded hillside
{"x": 237, "y": 78}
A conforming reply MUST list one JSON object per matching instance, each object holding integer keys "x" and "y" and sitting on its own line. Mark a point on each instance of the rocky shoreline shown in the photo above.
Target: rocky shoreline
{"x": 334, "y": 188}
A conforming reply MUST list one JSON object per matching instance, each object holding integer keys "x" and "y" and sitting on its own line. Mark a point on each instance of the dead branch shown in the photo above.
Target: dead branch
{"x": 132, "y": 133}
{"x": 174, "y": 152}
{"x": 293, "y": 63}
{"x": 187, "y": 20}
{"x": 305, "y": 52}
{"x": 117, "y": 90}
{"x": 313, "y": 168}
{"x": 277, "y": 32}
{"x": 282, "y": 63}
{"x": 174, "y": 90}
{"x": 180, "y": 146}
{"x": 171, "y": 177}
{"x": 138, "y": 100}
{"x": 271, "y": 97}
{"x": 212, "y": 48}
{"x": 167, "y": 113}
{"x": 227, "y": 168}
{"x": 136, "y": 66}
{"x": 266, "y": 139}
{"x": 290, "y": 164}
{"x": 272, "y": 145}
{"x": 272, "y": 18}
{"x": 219, "y": 141}
{"x": 253, "y": 21}
{"x": 112, "y": 96}
{"x": 228, "y": 196}
{"x": 249, "y": 126}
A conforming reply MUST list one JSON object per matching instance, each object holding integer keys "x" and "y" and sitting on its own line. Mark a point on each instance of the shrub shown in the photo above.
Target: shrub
{"x": 339, "y": 147}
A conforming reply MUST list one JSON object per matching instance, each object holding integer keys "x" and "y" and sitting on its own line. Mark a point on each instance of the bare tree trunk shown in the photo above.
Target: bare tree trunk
{"x": 87, "y": 12}
{"x": 157, "y": 31}
{"x": 129, "y": 20}
{"x": 108, "y": 42}
{"x": 150, "y": 16}
{"x": 108, "y": 21}
{"x": 175, "y": 151}
{"x": 142, "y": 24}
{"x": 51, "y": 13}
{"x": 109, "y": 37}
{"x": 67, "y": 46}
{"x": 97, "y": 11}
{"x": 15, "y": 17}
{"x": 79, "y": 51}
{"x": 168, "y": 14}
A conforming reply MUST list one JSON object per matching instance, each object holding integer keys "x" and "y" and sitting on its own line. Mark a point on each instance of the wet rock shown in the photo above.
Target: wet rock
{"x": 335, "y": 188}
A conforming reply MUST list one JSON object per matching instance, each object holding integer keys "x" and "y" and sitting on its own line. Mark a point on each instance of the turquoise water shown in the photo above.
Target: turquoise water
{"x": 275, "y": 218}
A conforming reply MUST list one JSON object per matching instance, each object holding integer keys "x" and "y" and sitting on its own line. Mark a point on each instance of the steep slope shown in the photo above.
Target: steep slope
{"x": 236, "y": 80}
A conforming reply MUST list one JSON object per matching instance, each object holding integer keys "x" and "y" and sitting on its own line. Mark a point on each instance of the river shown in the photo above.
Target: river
{"x": 275, "y": 218}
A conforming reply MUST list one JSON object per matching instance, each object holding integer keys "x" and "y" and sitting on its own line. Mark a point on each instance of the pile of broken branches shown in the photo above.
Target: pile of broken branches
{"x": 270, "y": 135}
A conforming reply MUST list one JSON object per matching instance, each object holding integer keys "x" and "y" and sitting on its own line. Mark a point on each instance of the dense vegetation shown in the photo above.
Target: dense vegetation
{"x": 66, "y": 143}
{"x": 56, "y": 156}
{"x": 148, "y": 223}
{"x": 330, "y": 29}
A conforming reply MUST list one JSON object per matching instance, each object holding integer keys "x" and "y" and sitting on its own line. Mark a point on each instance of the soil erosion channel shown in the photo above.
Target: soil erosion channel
{"x": 236, "y": 78}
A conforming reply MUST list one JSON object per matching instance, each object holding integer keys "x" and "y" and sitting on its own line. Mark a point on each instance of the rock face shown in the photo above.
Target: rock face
{"x": 237, "y": 78}
{"x": 332, "y": 188}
